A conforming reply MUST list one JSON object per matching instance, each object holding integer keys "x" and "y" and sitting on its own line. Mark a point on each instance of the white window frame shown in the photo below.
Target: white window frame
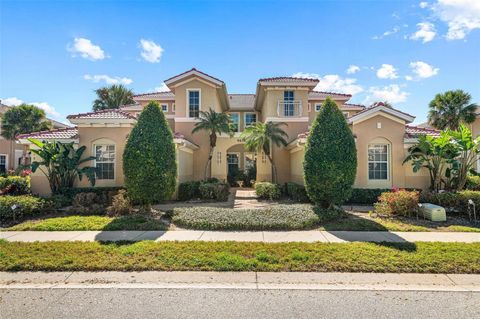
{"x": 238, "y": 159}
{"x": 239, "y": 120}
{"x": 114, "y": 161}
{"x": 199, "y": 101}
{"x": 319, "y": 105}
{"x": 6, "y": 161}
{"x": 388, "y": 162}
{"x": 166, "y": 107}
{"x": 245, "y": 118}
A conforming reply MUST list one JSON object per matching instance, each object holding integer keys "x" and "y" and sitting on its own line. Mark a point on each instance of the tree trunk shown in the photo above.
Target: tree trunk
{"x": 274, "y": 169}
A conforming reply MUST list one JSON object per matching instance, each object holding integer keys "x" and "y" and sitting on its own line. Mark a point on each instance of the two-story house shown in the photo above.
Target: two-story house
{"x": 382, "y": 134}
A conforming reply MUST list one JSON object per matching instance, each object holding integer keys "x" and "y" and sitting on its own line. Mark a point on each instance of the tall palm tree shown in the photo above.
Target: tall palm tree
{"x": 261, "y": 136}
{"x": 450, "y": 109}
{"x": 213, "y": 123}
{"x": 112, "y": 97}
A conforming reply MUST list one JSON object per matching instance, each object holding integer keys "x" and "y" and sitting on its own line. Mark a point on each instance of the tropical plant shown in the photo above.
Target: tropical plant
{"x": 450, "y": 109}
{"x": 330, "y": 163}
{"x": 214, "y": 124}
{"x": 112, "y": 97}
{"x": 436, "y": 155}
{"x": 61, "y": 163}
{"x": 261, "y": 136}
{"x": 149, "y": 161}
{"x": 467, "y": 149}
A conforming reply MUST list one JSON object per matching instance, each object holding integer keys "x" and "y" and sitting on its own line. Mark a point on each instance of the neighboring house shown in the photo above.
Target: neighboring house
{"x": 382, "y": 134}
{"x": 12, "y": 153}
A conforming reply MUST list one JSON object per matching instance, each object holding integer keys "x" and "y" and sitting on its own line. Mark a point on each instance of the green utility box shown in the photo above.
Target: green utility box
{"x": 433, "y": 212}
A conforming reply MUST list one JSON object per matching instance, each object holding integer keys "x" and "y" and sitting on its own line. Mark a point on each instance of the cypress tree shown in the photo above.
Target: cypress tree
{"x": 330, "y": 163}
{"x": 149, "y": 161}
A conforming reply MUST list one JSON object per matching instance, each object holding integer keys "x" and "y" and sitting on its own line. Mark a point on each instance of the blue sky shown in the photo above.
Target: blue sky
{"x": 55, "y": 53}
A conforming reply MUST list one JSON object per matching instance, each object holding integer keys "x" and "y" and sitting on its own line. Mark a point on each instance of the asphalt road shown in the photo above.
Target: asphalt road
{"x": 235, "y": 303}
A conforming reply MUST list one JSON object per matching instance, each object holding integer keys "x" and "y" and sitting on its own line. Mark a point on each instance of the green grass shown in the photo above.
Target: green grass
{"x": 235, "y": 256}
{"x": 72, "y": 223}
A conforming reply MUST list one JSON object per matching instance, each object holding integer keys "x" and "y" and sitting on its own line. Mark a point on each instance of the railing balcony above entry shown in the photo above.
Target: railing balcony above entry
{"x": 289, "y": 108}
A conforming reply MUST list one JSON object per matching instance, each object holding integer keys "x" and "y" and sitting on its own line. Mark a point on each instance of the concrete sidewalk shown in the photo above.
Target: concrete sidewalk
{"x": 241, "y": 280}
{"x": 242, "y": 236}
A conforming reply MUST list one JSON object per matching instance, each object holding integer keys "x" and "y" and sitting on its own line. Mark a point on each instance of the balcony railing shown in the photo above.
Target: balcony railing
{"x": 289, "y": 108}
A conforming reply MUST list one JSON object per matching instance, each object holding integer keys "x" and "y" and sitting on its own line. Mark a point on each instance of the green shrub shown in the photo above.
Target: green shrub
{"x": 330, "y": 163}
{"x": 88, "y": 204}
{"x": 26, "y": 205}
{"x": 214, "y": 191}
{"x": 59, "y": 201}
{"x": 401, "y": 202}
{"x": 329, "y": 214}
{"x": 452, "y": 201}
{"x": 280, "y": 217}
{"x": 296, "y": 192}
{"x": 149, "y": 161}
{"x": 267, "y": 190}
{"x": 366, "y": 196}
{"x": 15, "y": 185}
{"x": 473, "y": 183}
{"x": 121, "y": 205}
{"x": 104, "y": 192}
{"x": 188, "y": 190}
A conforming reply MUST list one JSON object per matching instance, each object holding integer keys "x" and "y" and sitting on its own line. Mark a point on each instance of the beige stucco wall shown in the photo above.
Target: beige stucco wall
{"x": 184, "y": 164}
{"x": 273, "y": 95}
{"x": 296, "y": 165}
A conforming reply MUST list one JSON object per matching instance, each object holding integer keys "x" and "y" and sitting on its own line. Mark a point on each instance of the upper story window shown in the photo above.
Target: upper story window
{"x": 288, "y": 106}
{"x": 193, "y": 103}
{"x": 105, "y": 161}
{"x": 318, "y": 106}
{"x": 165, "y": 108}
{"x": 378, "y": 161}
{"x": 250, "y": 119}
{"x": 235, "y": 118}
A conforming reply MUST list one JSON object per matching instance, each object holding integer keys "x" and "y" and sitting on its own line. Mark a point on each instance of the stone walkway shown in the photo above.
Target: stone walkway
{"x": 242, "y": 236}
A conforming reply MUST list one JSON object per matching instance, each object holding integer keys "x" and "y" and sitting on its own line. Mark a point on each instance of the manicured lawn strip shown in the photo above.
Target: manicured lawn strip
{"x": 235, "y": 256}
{"x": 76, "y": 223}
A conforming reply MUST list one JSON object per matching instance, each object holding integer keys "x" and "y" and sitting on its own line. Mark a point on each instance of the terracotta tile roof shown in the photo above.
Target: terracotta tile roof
{"x": 349, "y": 105}
{"x": 414, "y": 131}
{"x": 153, "y": 95}
{"x": 323, "y": 95}
{"x": 288, "y": 78}
{"x": 194, "y": 69}
{"x": 241, "y": 101}
{"x": 105, "y": 114}
{"x": 60, "y": 133}
{"x": 369, "y": 108}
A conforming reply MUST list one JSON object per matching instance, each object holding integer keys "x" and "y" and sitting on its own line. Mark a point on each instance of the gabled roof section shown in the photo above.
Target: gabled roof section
{"x": 111, "y": 114}
{"x": 288, "y": 80}
{"x": 163, "y": 96}
{"x": 381, "y": 108}
{"x": 319, "y": 95}
{"x": 241, "y": 102}
{"x": 67, "y": 133}
{"x": 412, "y": 131}
{"x": 194, "y": 72}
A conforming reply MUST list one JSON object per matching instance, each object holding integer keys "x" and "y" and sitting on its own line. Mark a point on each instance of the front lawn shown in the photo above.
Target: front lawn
{"x": 236, "y": 256}
{"x": 72, "y": 223}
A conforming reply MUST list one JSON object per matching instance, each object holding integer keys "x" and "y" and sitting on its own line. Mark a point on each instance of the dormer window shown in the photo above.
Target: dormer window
{"x": 193, "y": 103}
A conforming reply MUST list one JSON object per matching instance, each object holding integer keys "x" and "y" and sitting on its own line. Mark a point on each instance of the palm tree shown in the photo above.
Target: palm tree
{"x": 112, "y": 97}
{"x": 381, "y": 103}
{"x": 214, "y": 123}
{"x": 259, "y": 138}
{"x": 450, "y": 109}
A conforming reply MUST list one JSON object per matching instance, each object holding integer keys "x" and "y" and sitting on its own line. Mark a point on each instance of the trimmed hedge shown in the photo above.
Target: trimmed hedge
{"x": 296, "y": 192}
{"x": 100, "y": 191}
{"x": 267, "y": 190}
{"x": 366, "y": 196}
{"x": 27, "y": 205}
{"x": 214, "y": 191}
{"x": 188, "y": 190}
{"x": 15, "y": 185}
{"x": 452, "y": 201}
{"x": 280, "y": 217}
{"x": 401, "y": 202}
{"x": 330, "y": 163}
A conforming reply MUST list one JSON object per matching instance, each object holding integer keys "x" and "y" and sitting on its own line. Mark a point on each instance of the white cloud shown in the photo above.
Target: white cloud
{"x": 151, "y": 51}
{"x": 461, "y": 16}
{"x": 423, "y": 4}
{"x": 107, "y": 79}
{"x": 422, "y": 70}
{"x": 162, "y": 88}
{"x": 391, "y": 93}
{"x": 387, "y": 71}
{"x": 12, "y": 101}
{"x": 386, "y": 33}
{"x": 86, "y": 49}
{"x": 353, "y": 69}
{"x": 333, "y": 82}
{"x": 426, "y": 32}
{"x": 50, "y": 110}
